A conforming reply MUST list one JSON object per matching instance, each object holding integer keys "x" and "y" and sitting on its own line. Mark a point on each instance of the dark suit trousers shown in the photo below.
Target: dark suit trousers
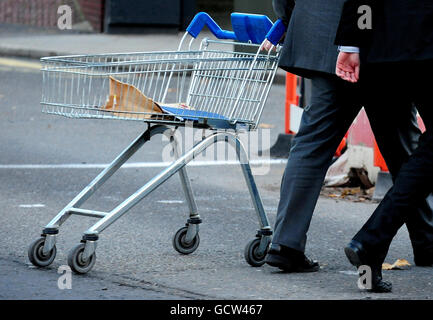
{"x": 415, "y": 178}
{"x": 334, "y": 105}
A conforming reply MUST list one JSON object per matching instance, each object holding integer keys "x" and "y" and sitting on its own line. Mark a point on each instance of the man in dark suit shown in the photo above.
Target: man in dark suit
{"x": 309, "y": 51}
{"x": 398, "y": 46}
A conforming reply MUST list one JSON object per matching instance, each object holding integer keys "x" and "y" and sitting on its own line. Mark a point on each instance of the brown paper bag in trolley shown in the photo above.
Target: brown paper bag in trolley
{"x": 127, "y": 101}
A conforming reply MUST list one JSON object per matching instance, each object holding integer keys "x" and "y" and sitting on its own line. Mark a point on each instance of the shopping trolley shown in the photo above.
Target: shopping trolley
{"x": 212, "y": 87}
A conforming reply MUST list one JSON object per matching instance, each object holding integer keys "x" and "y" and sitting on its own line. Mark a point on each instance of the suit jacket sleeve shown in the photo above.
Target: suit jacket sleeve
{"x": 348, "y": 32}
{"x": 283, "y": 9}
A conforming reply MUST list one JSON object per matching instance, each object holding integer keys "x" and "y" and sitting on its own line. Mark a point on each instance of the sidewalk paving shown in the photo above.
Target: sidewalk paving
{"x": 30, "y": 45}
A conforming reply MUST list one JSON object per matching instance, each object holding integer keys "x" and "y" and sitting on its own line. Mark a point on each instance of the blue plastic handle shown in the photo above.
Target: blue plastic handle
{"x": 200, "y": 20}
{"x": 246, "y": 27}
{"x": 249, "y": 27}
{"x": 276, "y": 32}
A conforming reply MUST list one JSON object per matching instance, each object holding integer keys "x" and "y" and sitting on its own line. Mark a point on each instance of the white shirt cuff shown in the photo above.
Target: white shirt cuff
{"x": 348, "y": 49}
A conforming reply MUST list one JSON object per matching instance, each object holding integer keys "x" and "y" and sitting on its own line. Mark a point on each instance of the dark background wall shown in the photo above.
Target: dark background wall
{"x": 127, "y": 15}
{"x": 148, "y": 15}
{"x": 86, "y": 14}
{"x": 218, "y": 9}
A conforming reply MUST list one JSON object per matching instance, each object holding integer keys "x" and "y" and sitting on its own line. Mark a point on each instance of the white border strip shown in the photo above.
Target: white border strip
{"x": 136, "y": 164}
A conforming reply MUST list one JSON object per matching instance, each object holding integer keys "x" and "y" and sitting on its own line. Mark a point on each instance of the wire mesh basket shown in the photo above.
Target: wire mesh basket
{"x": 206, "y": 86}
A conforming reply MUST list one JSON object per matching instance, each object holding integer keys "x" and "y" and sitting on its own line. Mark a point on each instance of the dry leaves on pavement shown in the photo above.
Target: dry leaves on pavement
{"x": 400, "y": 264}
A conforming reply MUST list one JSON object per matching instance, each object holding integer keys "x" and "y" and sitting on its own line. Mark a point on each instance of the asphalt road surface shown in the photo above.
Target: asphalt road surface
{"x": 46, "y": 160}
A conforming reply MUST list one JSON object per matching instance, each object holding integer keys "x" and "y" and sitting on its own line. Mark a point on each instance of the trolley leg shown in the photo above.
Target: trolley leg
{"x": 252, "y": 187}
{"x": 265, "y": 232}
{"x": 186, "y": 183}
{"x": 194, "y": 218}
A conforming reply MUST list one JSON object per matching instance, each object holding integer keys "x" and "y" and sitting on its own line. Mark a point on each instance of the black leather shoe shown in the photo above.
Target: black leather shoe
{"x": 290, "y": 260}
{"x": 355, "y": 253}
{"x": 358, "y": 257}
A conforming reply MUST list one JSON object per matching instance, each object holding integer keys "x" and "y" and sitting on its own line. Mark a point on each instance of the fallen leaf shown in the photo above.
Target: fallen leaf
{"x": 386, "y": 266}
{"x": 350, "y": 191}
{"x": 400, "y": 264}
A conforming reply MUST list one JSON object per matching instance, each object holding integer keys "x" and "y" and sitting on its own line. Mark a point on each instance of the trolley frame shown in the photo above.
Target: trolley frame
{"x": 81, "y": 258}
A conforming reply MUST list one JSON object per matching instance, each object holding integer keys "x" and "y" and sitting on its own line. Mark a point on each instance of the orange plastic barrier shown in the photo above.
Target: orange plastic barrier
{"x": 379, "y": 161}
{"x": 291, "y": 98}
{"x": 342, "y": 145}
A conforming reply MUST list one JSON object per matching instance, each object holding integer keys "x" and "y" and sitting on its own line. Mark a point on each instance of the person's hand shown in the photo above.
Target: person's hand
{"x": 267, "y": 45}
{"x": 348, "y": 66}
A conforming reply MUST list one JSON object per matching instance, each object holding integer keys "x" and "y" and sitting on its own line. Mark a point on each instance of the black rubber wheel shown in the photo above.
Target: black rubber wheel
{"x": 75, "y": 260}
{"x": 36, "y": 257}
{"x": 251, "y": 253}
{"x": 179, "y": 242}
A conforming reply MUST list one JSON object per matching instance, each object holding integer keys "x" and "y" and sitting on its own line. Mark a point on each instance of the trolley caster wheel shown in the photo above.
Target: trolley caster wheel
{"x": 76, "y": 262}
{"x": 36, "y": 255}
{"x": 251, "y": 254}
{"x": 179, "y": 242}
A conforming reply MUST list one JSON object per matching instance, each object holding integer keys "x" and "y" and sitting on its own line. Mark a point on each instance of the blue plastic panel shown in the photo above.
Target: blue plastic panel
{"x": 188, "y": 114}
{"x": 250, "y": 27}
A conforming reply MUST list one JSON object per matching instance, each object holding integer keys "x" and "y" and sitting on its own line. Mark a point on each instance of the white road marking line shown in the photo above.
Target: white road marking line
{"x": 349, "y": 272}
{"x": 37, "y": 205}
{"x": 170, "y": 201}
{"x": 19, "y": 63}
{"x": 136, "y": 164}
